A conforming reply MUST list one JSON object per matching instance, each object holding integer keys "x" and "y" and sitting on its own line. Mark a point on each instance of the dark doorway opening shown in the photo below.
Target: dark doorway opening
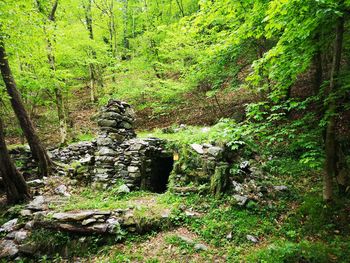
{"x": 161, "y": 168}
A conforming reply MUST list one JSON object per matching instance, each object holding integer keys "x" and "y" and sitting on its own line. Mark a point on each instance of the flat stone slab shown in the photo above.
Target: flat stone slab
{"x": 78, "y": 216}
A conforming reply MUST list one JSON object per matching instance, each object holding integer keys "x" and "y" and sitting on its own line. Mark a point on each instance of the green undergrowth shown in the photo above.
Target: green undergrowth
{"x": 88, "y": 198}
{"x": 226, "y": 131}
{"x": 138, "y": 85}
{"x": 283, "y": 231}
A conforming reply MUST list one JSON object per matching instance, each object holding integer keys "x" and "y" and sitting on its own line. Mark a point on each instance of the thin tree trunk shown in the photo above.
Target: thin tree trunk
{"x": 38, "y": 151}
{"x": 61, "y": 115}
{"x": 343, "y": 175}
{"x": 92, "y": 67}
{"x": 16, "y": 187}
{"x": 331, "y": 142}
{"x": 60, "y": 105}
{"x": 93, "y": 97}
{"x": 125, "y": 18}
{"x": 112, "y": 32}
{"x": 181, "y": 8}
{"x": 125, "y": 30}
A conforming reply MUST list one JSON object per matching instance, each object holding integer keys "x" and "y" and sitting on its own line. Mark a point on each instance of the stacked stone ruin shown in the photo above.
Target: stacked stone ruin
{"x": 117, "y": 157}
{"x": 120, "y": 156}
{"x": 116, "y": 121}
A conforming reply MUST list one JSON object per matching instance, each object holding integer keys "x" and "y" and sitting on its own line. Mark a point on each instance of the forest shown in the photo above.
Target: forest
{"x": 175, "y": 131}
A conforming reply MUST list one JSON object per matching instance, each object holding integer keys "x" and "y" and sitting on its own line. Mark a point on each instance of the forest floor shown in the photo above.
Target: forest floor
{"x": 292, "y": 225}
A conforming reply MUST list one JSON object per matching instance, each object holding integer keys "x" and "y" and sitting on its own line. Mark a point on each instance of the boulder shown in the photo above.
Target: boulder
{"x": 107, "y": 151}
{"x": 36, "y": 183}
{"x": 241, "y": 199}
{"x": 8, "y": 249}
{"x": 252, "y": 239}
{"x": 21, "y": 235}
{"x": 9, "y": 226}
{"x": 62, "y": 190}
{"x": 215, "y": 151}
{"x": 38, "y": 204}
{"x": 200, "y": 246}
{"x": 198, "y": 148}
{"x": 133, "y": 169}
{"x": 281, "y": 188}
{"x": 88, "y": 221}
{"x": 123, "y": 189}
{"x": 107, "y": 123}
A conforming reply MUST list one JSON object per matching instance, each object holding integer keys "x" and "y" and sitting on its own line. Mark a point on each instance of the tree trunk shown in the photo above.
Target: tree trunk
{"x": 125, "y": 31}
{"x": 16, "y": 187}
{"x": 181, "y": 8}
{"x": 92, "y": 67}
{"x": 62, "y": 118}
{"x": 331, "y": 142}
{"x": 61, "y": 115}
{"x": 38, "y": 151}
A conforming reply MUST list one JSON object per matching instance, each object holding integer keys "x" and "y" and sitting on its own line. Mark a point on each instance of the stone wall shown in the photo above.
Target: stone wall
{"x": 79, "y": 158}
{"x": 116, "y": 155}
{"x": 22, "y": 157}
{"x": 140, "y": 161}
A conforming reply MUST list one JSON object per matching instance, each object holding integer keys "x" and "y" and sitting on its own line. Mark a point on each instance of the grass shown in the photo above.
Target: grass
{"x": 87, "y": 198}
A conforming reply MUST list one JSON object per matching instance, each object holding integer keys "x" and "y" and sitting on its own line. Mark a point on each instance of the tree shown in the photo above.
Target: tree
{"x": 38, "y": 150}
{"x": 62, "y": 118}
{"x": 297, "y": 27}
{"x": 16, "y": 187}
{"x": 331, "y": 141}
{"x": 87, "y": 4}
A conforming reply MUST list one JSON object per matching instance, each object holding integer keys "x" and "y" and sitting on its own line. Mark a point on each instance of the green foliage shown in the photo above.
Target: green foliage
{"x": 181, "y": 243}
{"x": 288, "y": 252}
